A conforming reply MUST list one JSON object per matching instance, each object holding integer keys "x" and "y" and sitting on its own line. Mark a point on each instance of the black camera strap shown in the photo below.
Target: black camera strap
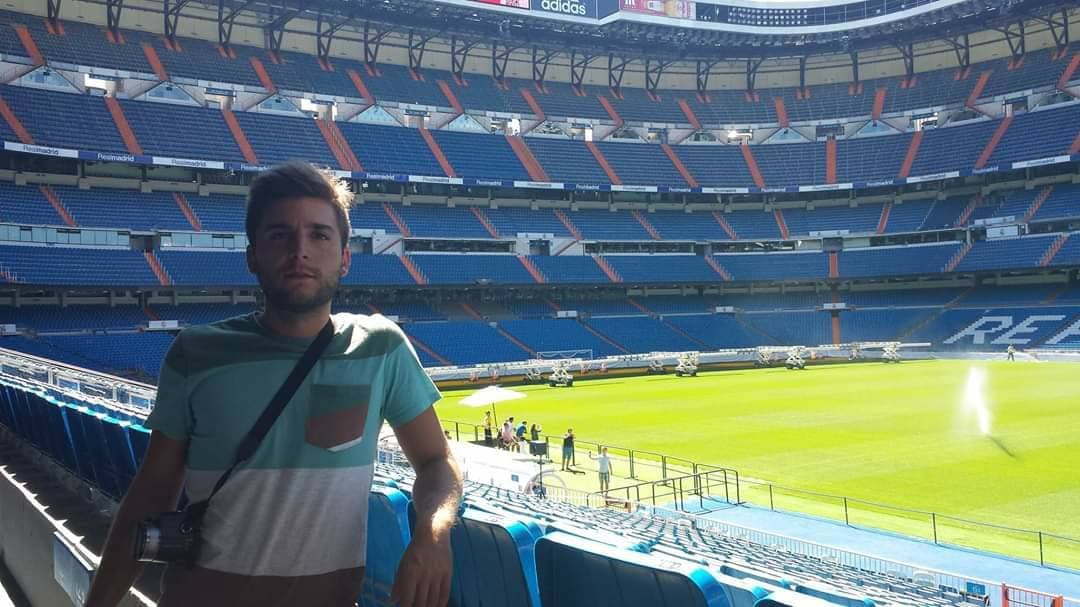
{"x": 277, "y": 404}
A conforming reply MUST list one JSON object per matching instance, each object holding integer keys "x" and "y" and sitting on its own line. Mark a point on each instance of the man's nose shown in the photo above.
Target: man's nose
{"x": 298, "y": 247}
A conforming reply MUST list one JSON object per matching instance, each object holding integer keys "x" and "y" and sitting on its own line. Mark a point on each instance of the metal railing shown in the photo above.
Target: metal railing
{"x": 697, "y": 484}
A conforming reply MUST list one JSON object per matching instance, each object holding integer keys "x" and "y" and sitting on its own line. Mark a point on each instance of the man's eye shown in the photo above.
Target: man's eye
{"x": 276, "y": 235}
{"x": 322, "y": 236}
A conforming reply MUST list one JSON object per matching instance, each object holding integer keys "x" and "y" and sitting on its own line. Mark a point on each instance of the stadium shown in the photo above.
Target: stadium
{"x": 807, "y": 269}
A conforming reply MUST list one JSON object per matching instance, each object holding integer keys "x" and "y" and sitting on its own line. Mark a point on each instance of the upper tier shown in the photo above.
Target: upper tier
{"x": 164, "y": 211}
{"x": 85, "y": 44}
{"x": 177, "y": 131}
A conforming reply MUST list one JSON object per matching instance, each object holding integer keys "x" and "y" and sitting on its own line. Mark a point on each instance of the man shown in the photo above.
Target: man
{"x": 506, "y": 435}
{"x": 603, "y": 464}
{"x": 568, "y": 449}
{"x": 289, "y": 526}
{"x": 1011, "y": 351}
{"x": 489, "y": 429}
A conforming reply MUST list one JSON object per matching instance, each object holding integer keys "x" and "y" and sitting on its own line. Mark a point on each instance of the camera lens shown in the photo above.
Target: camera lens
{"x": 147, "y": 542}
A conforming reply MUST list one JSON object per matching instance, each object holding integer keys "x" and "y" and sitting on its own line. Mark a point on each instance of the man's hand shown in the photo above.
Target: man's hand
{"x": 423, "y": 577}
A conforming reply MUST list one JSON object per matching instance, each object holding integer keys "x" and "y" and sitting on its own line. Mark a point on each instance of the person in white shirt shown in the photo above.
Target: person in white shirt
{"x": 603, "y": 463}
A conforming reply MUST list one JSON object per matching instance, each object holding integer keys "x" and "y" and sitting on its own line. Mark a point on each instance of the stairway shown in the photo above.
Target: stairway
{"x": 679, "y": 166}
{"x": 527, "y": 160}
{"x": 956, "y": 259}
{"x": 189, "y": 213}
{"x": 517, "y": 342}
{"x": 781, "y": 224}
{"x": 413, "y": 271}
{"x": 15, "y": 124}
{"x": 684, "y": 334}
{"x": 653, "y": 233}
{"x": 1038, "y": 202}
{"x": 239, "y": 136}
{"x": 419, "y": 345}
{"x": 724, "y": 225}
{"x": 398, "y": 221}
{"x": 883, "y": 221}
{"x": 123, "y": 127}
{"x": 718, "y": 268}
{"x": 531, "y": 268}
{"x": 604, "y": 338}
{"x": 484, "y": 221}
{"x": 56, "y": 203}
{"x": 569, "y": 225}
{"x": 966, "y": 214}
{"x": 607, "y": 269}
{"x": 1048, "y": 257}
{"x": 159, "y": 270}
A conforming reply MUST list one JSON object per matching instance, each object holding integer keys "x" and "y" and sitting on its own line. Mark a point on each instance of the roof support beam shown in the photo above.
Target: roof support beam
{"x": 1058, "y": 22}
{"x": 54, "y": 10}
{"x": 227, "y": 18}
{"x": 171, "y": 15}
{"x": 459, "y": 55}
{"x": 616, "y": 67}
{"x": 113, "y": 8}
{"x": 325, "y": 29}
{"x": 417, "y": 46}
{"x": 1014, "y": 35}
{"x": 373, "y": 38}
{"x": 500, "y": 54}
{"x": 752, "y": 66}
{"x": 541, "y": 58}
{"x": 275, "y": 30}
{"x": 579, "y": 64}
{"x": 654, "y": 70}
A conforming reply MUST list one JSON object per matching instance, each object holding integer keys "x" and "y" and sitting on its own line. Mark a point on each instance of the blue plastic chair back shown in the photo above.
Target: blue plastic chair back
{"x": 494, "y": 564}
{"x": 575, "y": 571}
{"x": 387, "y": 536}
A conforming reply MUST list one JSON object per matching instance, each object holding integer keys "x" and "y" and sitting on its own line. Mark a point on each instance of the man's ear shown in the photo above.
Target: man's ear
{"x": 346, "y": 261}
{"x": 251, "y": 258}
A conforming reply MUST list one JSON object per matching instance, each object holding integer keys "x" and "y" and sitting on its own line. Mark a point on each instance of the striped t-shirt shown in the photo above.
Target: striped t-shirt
{"x": 299, "y": 506}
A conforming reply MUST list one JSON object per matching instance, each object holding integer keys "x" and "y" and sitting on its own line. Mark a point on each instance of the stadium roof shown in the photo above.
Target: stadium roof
{"x": 734, "y": 29}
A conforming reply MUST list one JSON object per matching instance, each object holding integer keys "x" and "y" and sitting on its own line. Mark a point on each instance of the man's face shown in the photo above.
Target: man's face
{"x": 298, "y": 255}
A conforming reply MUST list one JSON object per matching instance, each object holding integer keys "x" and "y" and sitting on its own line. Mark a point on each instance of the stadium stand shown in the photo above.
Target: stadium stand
{"x": 615, "y": 267}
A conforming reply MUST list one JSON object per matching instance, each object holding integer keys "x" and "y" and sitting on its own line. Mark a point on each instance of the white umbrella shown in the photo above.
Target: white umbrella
{"x": 489, "y": 396}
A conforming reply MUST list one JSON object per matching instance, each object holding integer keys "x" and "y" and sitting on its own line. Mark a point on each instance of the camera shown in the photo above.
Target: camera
{"x": 171, "y": 537}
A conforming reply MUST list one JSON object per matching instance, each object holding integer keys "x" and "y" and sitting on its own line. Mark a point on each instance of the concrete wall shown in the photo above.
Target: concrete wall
{"x": 32, "y": 508}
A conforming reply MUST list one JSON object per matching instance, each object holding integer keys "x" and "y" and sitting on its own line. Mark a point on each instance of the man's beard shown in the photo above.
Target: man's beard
{"x": 289, "y": 300}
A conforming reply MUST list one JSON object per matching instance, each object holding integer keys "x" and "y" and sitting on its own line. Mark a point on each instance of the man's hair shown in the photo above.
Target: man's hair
{"x": 297, "y": 179}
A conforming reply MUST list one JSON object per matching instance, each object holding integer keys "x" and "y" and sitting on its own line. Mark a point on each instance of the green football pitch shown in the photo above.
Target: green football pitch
{"x": 899, "y": 441}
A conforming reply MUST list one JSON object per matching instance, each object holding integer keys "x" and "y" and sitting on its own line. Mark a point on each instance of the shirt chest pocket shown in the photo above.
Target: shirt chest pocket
{"x": 337, "y": 417}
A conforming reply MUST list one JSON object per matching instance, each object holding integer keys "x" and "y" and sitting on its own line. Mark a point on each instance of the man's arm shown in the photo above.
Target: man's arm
{"x": 423, "y": 578}
{"x": 155, "y": 489}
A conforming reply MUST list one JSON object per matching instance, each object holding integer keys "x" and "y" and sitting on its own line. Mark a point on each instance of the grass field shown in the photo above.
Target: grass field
{"x": 893, "y": 435}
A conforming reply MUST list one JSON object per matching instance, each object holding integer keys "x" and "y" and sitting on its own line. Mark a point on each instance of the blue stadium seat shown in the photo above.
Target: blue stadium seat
{"x": 567, "y": 161}
{"x": 553, "y": 335}
{"x": 1007, "y": 253}
{"x": 460, "y": 270}
{"x": 643, "y": 334}
{"x": 663, "y": 268}
{"x": 26, "y": 205}
{"x": 775, "y": 266}
{"x": 481, "y": 156}
{"x": 389, "y": 149}
{"x": 47, "y": 116}
{"x": 896, "y": 261}
{"x": 76, "y": 266}
{"x": 266, "y": 132}
{"x": 181, "y": 131}
{"x": 575, "y": 571}
{"x": 388, "y": 534}
{"x": 493, "y": 562}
